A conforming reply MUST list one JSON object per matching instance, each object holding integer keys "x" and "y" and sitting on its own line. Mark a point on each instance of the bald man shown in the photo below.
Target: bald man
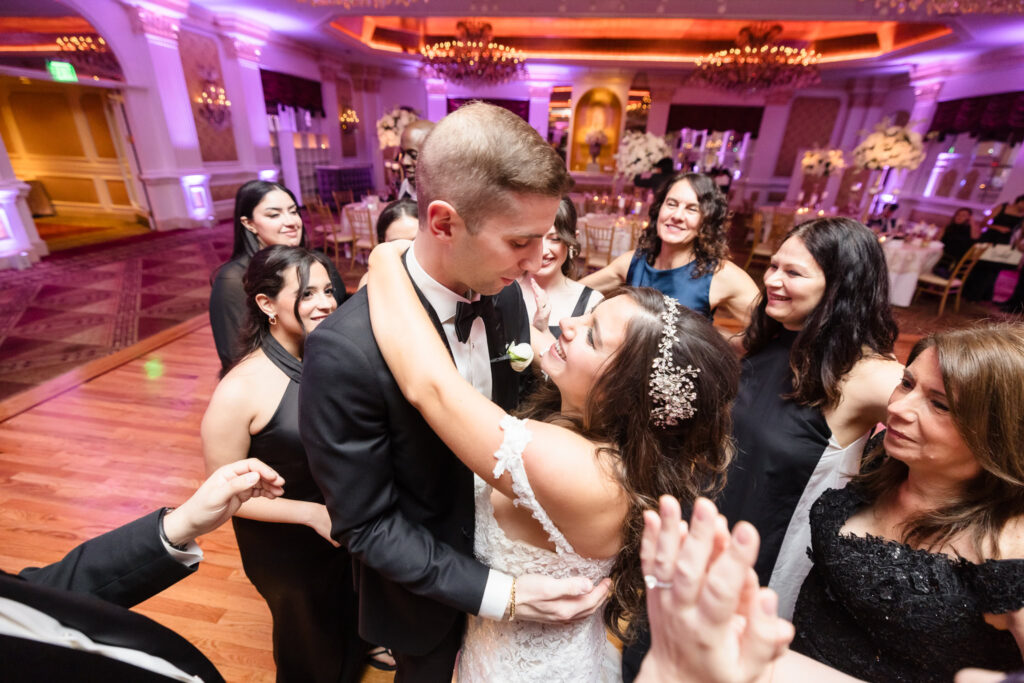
{"x": 412, "y": 139}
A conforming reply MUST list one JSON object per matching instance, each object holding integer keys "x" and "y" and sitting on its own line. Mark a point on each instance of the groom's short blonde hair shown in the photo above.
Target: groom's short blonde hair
{"x": 478, "y": 156}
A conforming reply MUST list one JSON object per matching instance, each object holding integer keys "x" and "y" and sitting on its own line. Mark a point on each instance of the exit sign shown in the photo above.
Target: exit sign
{"x": 61, "y": 71}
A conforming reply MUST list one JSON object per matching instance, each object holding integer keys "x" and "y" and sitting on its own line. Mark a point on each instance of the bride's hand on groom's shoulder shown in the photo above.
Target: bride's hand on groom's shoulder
{"x": 543, "y": 598}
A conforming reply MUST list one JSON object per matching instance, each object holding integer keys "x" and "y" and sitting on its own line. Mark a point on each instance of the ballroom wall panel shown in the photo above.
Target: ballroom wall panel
{"x": 46, "y": 124}
{"x": 810, "y": 124}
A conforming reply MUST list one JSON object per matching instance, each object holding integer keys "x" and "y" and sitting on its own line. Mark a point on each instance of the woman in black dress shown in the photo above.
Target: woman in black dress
{"x": 957, "y": 237}
{"x": 285, "y": 544}
{"x": 817, "y": 376}
{"x": 919, "y": 562}
{"x": 551, "y": 293}
{"x": 265, "y": 214}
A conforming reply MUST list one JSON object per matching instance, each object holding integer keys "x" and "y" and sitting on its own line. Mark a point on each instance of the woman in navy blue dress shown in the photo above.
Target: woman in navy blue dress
{"x": 683, "y": 252}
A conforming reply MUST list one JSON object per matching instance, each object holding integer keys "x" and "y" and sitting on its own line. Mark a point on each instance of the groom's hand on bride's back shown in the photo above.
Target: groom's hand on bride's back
{"x": 543, "y": 598}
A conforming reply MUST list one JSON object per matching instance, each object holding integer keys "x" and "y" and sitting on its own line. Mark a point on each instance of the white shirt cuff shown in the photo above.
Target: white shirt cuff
{"x": 189, "y": 557}
{"x": 496, "y": 594}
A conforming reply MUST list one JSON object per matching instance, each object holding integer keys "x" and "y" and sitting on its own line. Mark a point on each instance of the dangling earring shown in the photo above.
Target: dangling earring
{"x": 272, "y": 318}
{"x": 572, "y": 253}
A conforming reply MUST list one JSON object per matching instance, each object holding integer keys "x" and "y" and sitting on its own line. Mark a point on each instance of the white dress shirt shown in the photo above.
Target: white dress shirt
{"x": 472, "y": 359}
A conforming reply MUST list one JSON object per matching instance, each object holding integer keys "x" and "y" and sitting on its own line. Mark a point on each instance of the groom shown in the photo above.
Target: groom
{"x": 488, "y": 187}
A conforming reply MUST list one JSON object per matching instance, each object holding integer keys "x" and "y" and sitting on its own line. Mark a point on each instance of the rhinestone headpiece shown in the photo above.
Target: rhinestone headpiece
{"x": 672, "y": 388}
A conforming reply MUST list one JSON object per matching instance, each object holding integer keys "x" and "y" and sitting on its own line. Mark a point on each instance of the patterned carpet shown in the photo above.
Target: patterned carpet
{"x": 89, "y": 302}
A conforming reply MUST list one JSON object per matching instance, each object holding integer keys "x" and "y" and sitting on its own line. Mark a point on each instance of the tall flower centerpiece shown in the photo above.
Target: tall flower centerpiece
{"x": 391, "y": 125}
{"x": 639, "y": 152}
{"x": 890, "y": 146}
{"x": 819, "y": 162}
{"x": 596, "y": 139}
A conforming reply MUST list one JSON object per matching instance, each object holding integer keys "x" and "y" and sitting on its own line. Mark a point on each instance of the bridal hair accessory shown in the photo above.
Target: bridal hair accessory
{"x": 672, "y": 388}
{"x": 652, "y": 582}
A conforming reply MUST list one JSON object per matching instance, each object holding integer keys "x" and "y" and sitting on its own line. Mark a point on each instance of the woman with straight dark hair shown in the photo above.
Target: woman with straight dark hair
{"x": 817, "y": 376}
{"x": 638, "y": 403}
{"x": 551, "y": 293}
{"x": 919, "y": 562}
{"x": 684, "y": 252}
{"x": 285, "y": 544}
{"x": 398, "y": 221}
{"x": 265, "y": 214}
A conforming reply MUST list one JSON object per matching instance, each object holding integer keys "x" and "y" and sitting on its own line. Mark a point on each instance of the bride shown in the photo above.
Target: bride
{"x": 638, "y": 405}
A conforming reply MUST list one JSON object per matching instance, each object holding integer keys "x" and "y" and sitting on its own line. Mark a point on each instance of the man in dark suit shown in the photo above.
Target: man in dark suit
{"x": 68, "y": 621}
{"x": 488, "y": 188}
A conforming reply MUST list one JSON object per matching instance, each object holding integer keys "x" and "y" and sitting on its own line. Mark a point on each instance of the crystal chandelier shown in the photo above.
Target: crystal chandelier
{"x": 951, "y": 6}
{"x": 758, "y": 63}
{"x": 88, "y": 54}
{"x": 473, "y": 58}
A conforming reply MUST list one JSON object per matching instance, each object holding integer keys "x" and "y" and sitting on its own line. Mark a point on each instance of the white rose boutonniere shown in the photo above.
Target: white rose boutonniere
{"x": 519, "y": 356}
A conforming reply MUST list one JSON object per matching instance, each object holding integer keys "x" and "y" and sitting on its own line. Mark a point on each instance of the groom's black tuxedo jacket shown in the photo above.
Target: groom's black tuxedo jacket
{"x": 89, "y": 591}
{"x": 399, "y": 499}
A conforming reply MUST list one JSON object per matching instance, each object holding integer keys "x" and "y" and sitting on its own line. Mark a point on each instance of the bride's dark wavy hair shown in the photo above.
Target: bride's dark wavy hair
{"x": 686, "y": 460}
{"x": 852, "y": 320}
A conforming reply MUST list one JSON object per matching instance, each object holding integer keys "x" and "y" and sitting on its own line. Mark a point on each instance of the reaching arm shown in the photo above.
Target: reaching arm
{"x": 562, "y": 467}
{"x": 130, "y": 563}
{"x": 611, "y": 276}
{"x": 735, "y": 291}
{"x": 226, "y": 439}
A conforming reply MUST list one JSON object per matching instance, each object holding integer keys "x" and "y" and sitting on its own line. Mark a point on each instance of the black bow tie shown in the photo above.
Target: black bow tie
{"x": 467, "y": 312}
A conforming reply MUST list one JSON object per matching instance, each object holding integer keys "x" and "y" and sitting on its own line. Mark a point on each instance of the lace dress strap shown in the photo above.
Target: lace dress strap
{"x": 510, "y": 459}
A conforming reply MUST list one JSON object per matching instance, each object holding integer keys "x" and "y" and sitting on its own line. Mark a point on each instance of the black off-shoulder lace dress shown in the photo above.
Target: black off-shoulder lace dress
{"x": 880, "y": 610}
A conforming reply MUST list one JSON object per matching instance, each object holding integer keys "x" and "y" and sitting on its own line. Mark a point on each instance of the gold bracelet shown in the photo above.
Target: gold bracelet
{"x": 512, "y": 602}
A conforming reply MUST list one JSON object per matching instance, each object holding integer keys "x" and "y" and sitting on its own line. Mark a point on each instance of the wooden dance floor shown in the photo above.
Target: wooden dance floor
{"x": 111, "y": 448}
{"x": 110, "y": 442}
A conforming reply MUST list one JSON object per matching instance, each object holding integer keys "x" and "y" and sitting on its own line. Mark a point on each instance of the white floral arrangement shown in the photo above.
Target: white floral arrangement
{"x": 819, "y": 162}
{"x": 639, "y": 153}
{"x": 597, "y": 137}
{"x": 391, "y": 125}
{"x": 890, "y": 147}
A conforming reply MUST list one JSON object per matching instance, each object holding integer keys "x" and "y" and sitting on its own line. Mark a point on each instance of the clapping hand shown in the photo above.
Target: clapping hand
{"x": 710, "y": 621}
{"x": 219, "y": 497}
{"x": 540, "y": 318}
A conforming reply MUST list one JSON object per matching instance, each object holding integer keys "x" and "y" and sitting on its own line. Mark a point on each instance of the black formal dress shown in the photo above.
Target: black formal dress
{"x": 305, "y": 580}
{"x": 579, "y": 309}
{"x": 90, "y": 590}
{"x": 880, "y": 610}
{"x": 956, "y": 240}
{"x": 399, "y": 499}
{"x": 227, "y": 302}
{"x": 981, "y": 284}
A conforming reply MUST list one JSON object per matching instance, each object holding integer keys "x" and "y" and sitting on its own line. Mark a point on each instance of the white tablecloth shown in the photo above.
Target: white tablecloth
{"x": 1002, "y": 253}
{"x": 906, "y": 261}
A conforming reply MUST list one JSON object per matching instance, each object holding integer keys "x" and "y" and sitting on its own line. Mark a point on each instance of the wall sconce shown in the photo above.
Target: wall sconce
{"x": 349, "y": 119}
{"x": 213, "y": 104}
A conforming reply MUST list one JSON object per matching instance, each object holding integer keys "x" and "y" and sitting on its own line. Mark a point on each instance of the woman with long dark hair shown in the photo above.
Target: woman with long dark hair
{"x": 816, "y": 378}
{"x": 638, "y": 403}
{"x": 285, "y": 544}
{"x": 551, "y": 293}
{"x": 684, "y": 252}
{"x": 266, "y": 214}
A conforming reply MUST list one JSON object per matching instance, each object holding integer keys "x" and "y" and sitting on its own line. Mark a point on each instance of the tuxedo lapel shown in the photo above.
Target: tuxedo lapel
{"x": 430, "y": 309}
{"x": 110, "y": 624}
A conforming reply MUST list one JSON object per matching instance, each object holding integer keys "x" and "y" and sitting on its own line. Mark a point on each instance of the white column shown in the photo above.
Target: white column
{"x": 286, "y": 146}
{"x": 20, "y": 245}
{"x": 437, "y": 99}
{"x": 329, "y": 95}
{"x": 248, "y": 110}
{"x": 163, "y": 130}
{"x": 540, "y": 100}
{"x": 769, "y": 142}
{"x": 661, "y": 103}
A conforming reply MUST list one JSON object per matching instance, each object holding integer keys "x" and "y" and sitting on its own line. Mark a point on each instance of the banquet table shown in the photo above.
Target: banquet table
{"x": 907, "y": 260}
{"x": 376, "y": 207}
{"x": 1003, "y": 254}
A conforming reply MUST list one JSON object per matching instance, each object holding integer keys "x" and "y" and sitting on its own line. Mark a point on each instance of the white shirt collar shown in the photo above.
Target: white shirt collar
{"x": 443, "y": 300}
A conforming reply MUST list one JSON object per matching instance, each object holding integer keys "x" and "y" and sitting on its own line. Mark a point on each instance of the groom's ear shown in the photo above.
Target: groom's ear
{"x": 442, "y": 219}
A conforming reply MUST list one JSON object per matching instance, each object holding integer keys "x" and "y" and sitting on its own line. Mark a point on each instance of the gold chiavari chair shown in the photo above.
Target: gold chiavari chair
{"x": 598, "y": 248}
{"x": 333, "y": 233}
{"x": 954, "y": 284}
{"x": 363, "y": 232}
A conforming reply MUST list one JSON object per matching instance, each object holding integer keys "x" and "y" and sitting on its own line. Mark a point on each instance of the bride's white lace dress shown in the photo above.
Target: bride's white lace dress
{"x": 521, "y": 651}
